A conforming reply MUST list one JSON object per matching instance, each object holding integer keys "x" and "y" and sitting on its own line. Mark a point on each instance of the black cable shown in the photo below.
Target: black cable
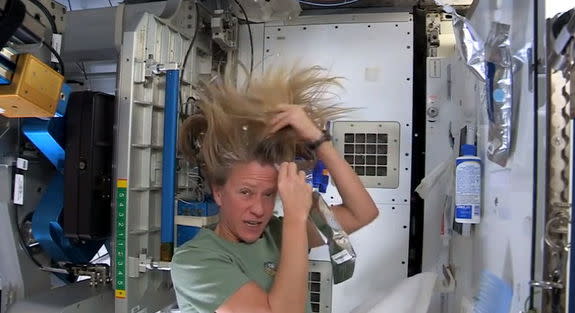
{"x": 251, "y": 37}
{"x": 49, "y": 16}
{"x": 110, "y": 2}
{"x": 83, "y": 69}
{"x": 54, "y": 30}
{"x": 73, "y": 81}
{"x": 69, "y": 5}
{"x": 57, "y": 55}
{"x": 188, "y": 54}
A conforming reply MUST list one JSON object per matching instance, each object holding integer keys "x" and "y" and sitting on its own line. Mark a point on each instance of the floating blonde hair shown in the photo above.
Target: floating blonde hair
{"x": 232, "y": 124}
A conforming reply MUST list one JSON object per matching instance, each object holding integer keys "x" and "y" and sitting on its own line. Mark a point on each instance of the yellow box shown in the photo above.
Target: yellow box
{"x": 34, "y": 91}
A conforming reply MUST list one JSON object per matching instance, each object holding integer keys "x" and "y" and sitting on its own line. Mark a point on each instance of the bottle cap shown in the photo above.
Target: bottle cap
{"x": 469, "y": 150}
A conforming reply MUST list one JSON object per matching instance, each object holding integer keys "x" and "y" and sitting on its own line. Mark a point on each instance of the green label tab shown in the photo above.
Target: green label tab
{"x": 121, "y": 239}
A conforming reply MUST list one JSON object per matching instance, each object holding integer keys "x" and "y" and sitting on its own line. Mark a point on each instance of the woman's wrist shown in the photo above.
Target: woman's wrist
{"x": 320, "y": 140}
{"x": 295, "y": 219}
{"x": 325, "y": 149}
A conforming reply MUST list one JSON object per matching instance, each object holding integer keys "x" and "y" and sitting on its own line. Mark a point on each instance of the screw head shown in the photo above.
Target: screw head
{"x": 433, "y": 112}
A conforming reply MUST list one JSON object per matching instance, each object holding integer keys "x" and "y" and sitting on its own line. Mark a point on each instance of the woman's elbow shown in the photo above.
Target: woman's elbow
{"x": 372, "y": 214}
{"x": 368, "y": 215}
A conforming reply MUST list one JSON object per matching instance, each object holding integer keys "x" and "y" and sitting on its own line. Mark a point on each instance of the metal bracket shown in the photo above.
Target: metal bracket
{"x": 148, "y": 264}
{"x": 557, "y": 211}
{"x": 154, "y": 68}
{"x": 225, "y": 30}
{"x": 547, "y": 285}
{"x": 99, "y": 273}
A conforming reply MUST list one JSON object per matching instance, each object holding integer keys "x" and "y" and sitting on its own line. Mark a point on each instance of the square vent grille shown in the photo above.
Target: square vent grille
{"x": 320, "y": 286}
{"x": 372, "y": 150}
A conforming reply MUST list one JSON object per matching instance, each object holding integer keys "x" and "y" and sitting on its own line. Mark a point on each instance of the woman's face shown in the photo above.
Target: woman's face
{"x": 246, "y": 201}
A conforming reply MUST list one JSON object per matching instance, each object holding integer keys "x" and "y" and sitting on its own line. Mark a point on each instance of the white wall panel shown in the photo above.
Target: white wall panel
{"x": 373, "y": 52}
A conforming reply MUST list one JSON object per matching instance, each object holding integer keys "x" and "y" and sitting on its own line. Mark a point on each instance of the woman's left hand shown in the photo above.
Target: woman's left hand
{"x": 296, "y": 117}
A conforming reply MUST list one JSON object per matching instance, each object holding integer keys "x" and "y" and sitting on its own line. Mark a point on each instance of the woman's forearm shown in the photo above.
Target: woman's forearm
{"x": 355, "y": 197}
{"x": 289, "y": 290}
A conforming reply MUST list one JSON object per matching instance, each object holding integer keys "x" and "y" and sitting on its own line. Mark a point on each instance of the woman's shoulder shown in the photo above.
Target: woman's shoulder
{"x": 203, "y": 246}
{"x": 275, "y": 223}
{"x": 274, "y": 230}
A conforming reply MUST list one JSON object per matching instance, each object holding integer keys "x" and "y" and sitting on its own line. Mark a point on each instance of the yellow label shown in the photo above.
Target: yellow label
{"x": 122, "y": 183}
{"x": 325, "y": 172}
{"x": 121, "y": 294}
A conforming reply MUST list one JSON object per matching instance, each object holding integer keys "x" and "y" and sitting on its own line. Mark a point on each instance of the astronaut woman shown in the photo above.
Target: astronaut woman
{"x": 245, "y": 142}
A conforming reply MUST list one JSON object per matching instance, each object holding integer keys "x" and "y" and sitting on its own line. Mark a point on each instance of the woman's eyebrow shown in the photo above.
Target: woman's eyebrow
{"x": 247, "y": 184}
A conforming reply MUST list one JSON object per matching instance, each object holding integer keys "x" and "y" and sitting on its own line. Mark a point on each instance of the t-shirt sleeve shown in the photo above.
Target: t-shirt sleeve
{"x": 275, "y": 227}
{"x": 204, "y": 279}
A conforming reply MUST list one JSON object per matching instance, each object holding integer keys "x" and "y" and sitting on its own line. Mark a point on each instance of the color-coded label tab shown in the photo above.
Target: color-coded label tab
{"x": 122, "y": 183}
{"x": 121, "y": 238}
{"x": 121, "y": 294}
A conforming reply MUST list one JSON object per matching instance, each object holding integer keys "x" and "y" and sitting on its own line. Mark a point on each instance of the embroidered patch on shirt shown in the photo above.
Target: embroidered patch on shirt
{"x": 270, "y": 268}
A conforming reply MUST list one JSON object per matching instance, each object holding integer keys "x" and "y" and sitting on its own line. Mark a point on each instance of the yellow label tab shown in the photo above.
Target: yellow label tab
{"x": 122, "y": 183}
{"x": 121, "y": 294}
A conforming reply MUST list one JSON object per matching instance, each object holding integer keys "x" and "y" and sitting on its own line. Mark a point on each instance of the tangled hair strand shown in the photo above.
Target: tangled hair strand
{"x": 232, "y": 123}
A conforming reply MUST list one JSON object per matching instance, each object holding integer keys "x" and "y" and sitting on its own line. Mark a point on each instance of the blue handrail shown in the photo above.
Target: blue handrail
{"x": 169, "y": 163}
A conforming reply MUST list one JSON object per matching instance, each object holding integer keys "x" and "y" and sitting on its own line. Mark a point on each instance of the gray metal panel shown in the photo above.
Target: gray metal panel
{"x": 342, "y": 18}
{"x": 542, "y": 127}
{"x": 445, "y": 117}
{"x": 100, "y": 26}
{"x": 138, "y": 154}
{"x": 56, "y": 9}
{"x": 441, "y": 112}
{"x": 73, "y": 298}
{"x": 20, "y": 278}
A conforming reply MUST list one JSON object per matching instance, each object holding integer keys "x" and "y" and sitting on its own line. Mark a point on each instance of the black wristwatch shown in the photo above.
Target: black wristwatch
{"x": 324, "y": 137}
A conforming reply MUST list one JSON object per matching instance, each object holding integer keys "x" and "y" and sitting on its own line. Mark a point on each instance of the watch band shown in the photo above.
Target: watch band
{"x": 324, "y": 137}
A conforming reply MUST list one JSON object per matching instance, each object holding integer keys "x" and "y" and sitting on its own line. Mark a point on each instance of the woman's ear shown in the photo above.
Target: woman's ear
{"x": 217, "y": 194}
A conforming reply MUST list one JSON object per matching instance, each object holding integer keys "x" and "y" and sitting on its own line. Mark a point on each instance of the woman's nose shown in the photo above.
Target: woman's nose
{"x": 257, "y": 207}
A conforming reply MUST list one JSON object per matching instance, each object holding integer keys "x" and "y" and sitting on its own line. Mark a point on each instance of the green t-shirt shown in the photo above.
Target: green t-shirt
{"x": 208, "y": 269}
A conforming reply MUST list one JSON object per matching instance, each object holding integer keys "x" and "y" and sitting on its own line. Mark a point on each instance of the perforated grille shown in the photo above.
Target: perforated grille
{"x": 372, "y": 150}
{"x": 367, "y": 153}
{"x": 315, "y": 291}
{"x": 320, "y": 286}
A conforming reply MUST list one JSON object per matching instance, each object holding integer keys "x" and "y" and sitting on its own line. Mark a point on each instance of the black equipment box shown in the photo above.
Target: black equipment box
{"x": 87, "y": 213}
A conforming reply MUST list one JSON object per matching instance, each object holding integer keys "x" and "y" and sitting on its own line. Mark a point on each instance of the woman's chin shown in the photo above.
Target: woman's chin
{"x": 251, "y": 236}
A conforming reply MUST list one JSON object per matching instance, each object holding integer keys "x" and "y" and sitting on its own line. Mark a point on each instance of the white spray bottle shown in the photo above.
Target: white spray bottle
{"x": 468, "y": 186}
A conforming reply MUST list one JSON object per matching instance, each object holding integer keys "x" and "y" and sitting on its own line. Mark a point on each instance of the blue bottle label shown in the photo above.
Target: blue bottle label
{"x": 463, "y": 211}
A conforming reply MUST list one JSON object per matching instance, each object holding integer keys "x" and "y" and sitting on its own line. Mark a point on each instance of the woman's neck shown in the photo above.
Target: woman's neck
{"x": 225, "y": 233}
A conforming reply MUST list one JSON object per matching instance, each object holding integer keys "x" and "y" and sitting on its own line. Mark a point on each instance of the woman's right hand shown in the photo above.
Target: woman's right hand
{"x": 295, "y": 193}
